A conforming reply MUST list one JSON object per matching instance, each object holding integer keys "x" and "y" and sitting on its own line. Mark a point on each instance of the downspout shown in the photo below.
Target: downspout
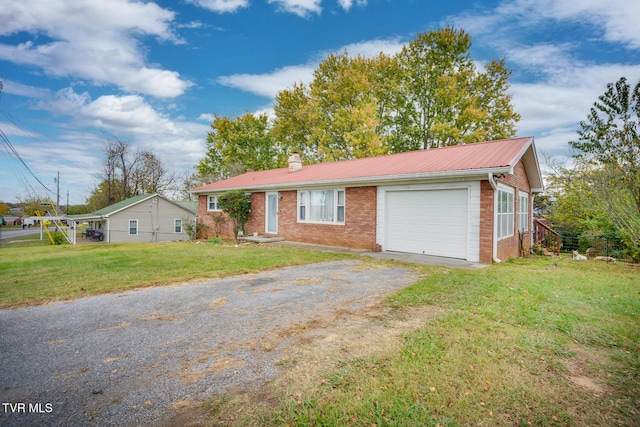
{"x": 495, "y": 231}
{"x": 533, "y": 196}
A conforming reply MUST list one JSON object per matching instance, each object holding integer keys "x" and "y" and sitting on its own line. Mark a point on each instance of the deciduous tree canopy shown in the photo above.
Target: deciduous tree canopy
{"x": 126, "y": 173}
{"x": 235, "y": 146}
{"x": 601, "y": 194}
{"x": 428, "y": 95}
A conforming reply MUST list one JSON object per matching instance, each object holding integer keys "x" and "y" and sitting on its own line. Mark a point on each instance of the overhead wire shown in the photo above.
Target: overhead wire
{"x": 13, "y": 153}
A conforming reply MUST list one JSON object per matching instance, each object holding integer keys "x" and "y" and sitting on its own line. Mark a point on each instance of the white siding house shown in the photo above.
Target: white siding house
{"x": 144, "y": 218}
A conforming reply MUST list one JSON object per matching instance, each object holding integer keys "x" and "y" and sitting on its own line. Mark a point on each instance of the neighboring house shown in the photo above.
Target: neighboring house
{"x": 472, "y": 202}
{"x": 144, "y": 218}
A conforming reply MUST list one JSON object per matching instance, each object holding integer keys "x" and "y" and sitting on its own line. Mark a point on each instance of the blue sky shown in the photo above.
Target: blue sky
{"x": 154, "y": 74}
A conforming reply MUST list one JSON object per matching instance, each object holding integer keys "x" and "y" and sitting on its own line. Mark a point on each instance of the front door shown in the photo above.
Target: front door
{"x": 272, "y": 213}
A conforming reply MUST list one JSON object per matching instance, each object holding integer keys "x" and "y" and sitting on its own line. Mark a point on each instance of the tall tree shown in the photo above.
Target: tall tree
{"x": 429, "y": 95}
{"x": 235, "y": 146}
{"x": 611, "y": 134}
{"x": 149, "y": 175}
{"x": 602, "y": 192}
{"x": 127, "y": 172}
{"x": 446, "y": 100}
{"x": 4, "y": 208}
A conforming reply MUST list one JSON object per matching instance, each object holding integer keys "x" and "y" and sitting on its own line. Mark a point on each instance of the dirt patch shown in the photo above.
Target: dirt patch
{"x": 583, "y": 370}
{"x": 317, "y": 347}
{"x": 188, "y": 414}
{"x": 164, "y": 317}
{"x": 216, "y": 304}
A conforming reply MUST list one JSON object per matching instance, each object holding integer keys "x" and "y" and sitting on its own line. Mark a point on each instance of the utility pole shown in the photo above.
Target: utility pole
{"x": 58, "y": 193}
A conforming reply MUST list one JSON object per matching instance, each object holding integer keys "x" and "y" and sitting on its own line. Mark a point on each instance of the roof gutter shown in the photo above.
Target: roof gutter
{"x": 367, "y": 180}
{"x": 495, "y": 223}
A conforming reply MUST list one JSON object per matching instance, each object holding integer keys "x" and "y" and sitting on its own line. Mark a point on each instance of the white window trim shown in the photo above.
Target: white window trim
{"x": 523, "y": 215}
{"x": 137, "y": 227}
{"x": 209, "y": 197}
{"x": 175, "y": 220}
{"x": 499, "y": 215}
{"x": 307, "y": 205}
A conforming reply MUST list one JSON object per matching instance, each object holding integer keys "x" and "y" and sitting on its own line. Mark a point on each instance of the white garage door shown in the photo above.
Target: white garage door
{"x": 432, "y": 222}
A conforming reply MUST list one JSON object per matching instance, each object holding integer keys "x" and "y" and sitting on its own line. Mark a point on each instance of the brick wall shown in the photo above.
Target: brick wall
{"x": 206, "y": 219}
{"x": 486, "y": 222}
{"x": 508, "y": 247}
{"x": 358, "y": 231}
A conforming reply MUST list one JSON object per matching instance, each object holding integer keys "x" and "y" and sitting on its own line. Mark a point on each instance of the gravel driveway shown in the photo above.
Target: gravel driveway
{"x": 132, "y": 358}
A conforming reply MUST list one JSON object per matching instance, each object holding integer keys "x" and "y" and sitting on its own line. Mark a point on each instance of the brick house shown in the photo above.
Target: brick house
{"x": 472, "y": 202}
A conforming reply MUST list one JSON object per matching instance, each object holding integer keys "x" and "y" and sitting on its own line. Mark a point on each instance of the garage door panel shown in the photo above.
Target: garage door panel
{"x": 432, "y": 222}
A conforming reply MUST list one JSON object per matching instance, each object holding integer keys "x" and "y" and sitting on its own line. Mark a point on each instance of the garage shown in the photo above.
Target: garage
{"x": 432, "y": 222}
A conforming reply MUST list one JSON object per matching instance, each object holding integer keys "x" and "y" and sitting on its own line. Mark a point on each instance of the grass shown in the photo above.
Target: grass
{"x": 537, "y": 341}
{"x": 527, "y": 342}
{"x": 34, "y": 273}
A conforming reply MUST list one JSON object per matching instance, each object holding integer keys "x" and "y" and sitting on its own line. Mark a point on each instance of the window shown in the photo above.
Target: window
{"x": 302, "y": 205}
{"x": 505, "y": 213}
{"x": 523, "y": 212}
{"x": 321, "y": 206}
{"x": 133, "y": 227}
{"x": 177, "y": 226}
{"x": 213, "y": 204}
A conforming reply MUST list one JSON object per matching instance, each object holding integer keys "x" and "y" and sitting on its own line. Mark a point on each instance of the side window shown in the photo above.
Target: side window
{"x": 505, "y": 213}
{"x": 302, "y": 206}
{"x": 177, "y": 226}
{"x": 340, "y": 206}
{"x": 133, "y": 227}
{"x": 213, "y": 203}
{"x": 523, "y": 212}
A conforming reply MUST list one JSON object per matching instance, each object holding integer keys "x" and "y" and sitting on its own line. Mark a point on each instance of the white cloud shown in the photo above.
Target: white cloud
{"x": 617, "y": 18}
{"x": 178, "y": 143}
{"x": 92, "y": 40}
{"x": 12, "y": 129}
{"x": 269, "y": 84}
{"x": 553, "y": 87}
{"x": 346, "y": 4}
{"x": 371, "y": 48}
{"x": 222, "y": 6}
{"x": 16, "y": 88}
{"x": 301, "y": 8}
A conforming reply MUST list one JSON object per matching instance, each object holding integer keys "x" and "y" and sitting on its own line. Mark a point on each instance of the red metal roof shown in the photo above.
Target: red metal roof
{"x": 446, "y": 161}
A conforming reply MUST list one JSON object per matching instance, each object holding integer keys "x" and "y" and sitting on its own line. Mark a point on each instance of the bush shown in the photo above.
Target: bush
{"x": 237, "y": 205}
{"x": 58, "y": 238}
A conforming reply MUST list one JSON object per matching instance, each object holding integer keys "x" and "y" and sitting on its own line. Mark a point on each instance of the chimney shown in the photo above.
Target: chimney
{"x": 295, "y": 163}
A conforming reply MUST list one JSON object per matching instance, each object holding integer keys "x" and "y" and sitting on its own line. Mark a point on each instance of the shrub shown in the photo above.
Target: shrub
{"x": 237, "y": 205}
{"x": 58, "y": 238}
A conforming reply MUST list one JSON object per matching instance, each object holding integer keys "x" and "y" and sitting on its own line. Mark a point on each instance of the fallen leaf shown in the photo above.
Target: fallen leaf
{"x": 148, "y": 402}
{"x": 432, "y": 389}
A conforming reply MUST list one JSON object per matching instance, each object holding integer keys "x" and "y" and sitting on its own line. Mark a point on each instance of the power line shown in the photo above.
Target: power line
{"x": 13, "y": 153}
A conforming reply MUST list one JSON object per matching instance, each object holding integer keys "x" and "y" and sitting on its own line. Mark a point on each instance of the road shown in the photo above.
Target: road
{"x": 12, "y": 233}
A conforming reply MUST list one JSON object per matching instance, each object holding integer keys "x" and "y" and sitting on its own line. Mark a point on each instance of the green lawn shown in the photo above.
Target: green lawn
{"x": 527, "y": 342}
{"x": 33, "y": 272}
{"x": 537, "y": 341}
